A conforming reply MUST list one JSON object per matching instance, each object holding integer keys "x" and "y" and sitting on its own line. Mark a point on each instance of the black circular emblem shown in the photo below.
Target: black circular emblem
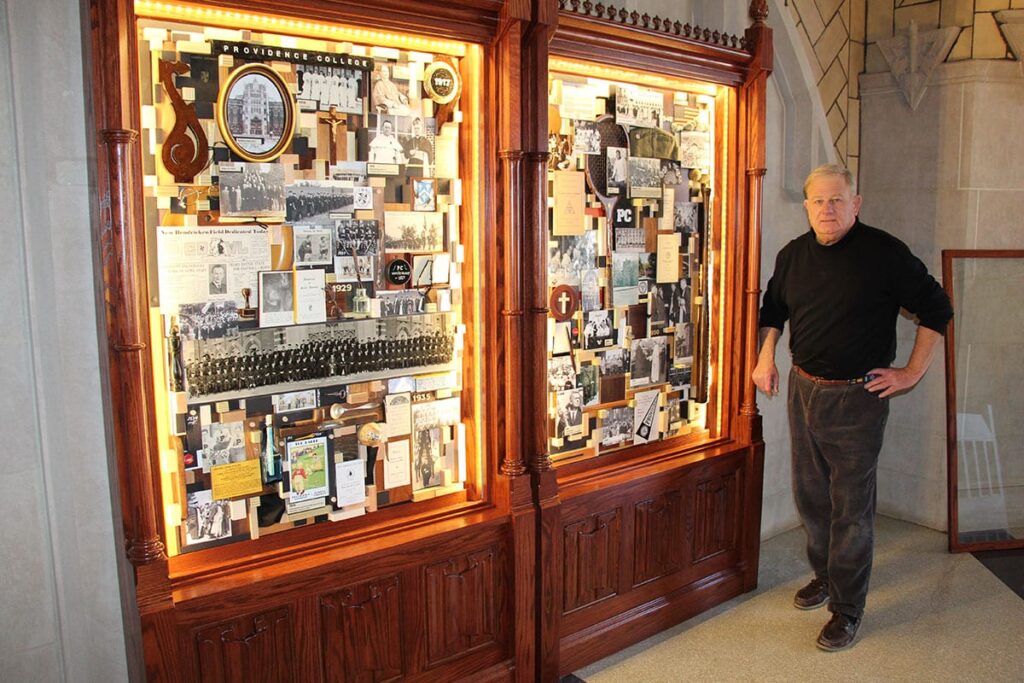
{"x": 399, "y": 271}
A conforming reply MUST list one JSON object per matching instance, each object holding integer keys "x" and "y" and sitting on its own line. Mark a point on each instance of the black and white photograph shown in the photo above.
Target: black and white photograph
{"x": 416, "y": 135}
{"x": 356, "y": 238}
{"x": 630, "y": 239}
{"x": 618, "y": 169}
{"x": 569, "y": 256}
{"x": 673, "y": 412}
{"x": 636, "y": 106}
{"x": 684, "y": 217}
{"x": 354, "y": 268}
{"x": 206, "y": 519}
{"x": 682, "y": 347}
{"x": 649, "y": 361}
{"x": 389, "y": 90}
{"x": 405, "y": 302}
{"x": 218, "y": 273}
{"x": 223, "y": 442}
{"x": 350, "y": 171}
{"x": 560, "y": 154}
{"x": 323, "y": 87}
{"x": 657, "y": 306}
{"x": 313, "y": 201}
{"x": 569, "y": 414}
{"x": 413, "y": 231}
{"x": 625, "y": 276}
{"x": 383, "y": 146}
{"x": 423, "y": 194}
{"x": 277, "y": 298}
{"x": 598, "y": 329}
{"x": 644, "y": 177}
{"x": 683, "y": 298}
{"x": 591, "y": 384}
{"x": 251, "y": 190}
{"x": 426, "y": 465}
{"x": 312, "y": 245}
{"x": 561, "y": 373}
{"x": 208, "y": 320}
{"x": 647, "y": 272}
{"x": 423, "y": 270}
{"x": 591, "y": 297}
{"x": 680, "y": 376}
{"x": 586, "y": 139}
{"x": 294, "y": 400}
{"x": 614, "y": 362}
{"x": 674, "y": 176}
{"x": 256, "y": 113}
{"x": 616, "y": 426}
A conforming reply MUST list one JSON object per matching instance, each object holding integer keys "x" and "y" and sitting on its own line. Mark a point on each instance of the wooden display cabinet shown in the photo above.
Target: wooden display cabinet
{"x": 527, "y": 559}
{"x": 653, "y": 501}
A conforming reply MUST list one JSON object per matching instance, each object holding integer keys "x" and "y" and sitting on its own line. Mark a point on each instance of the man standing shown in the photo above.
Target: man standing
{"x": 841, "y": 286}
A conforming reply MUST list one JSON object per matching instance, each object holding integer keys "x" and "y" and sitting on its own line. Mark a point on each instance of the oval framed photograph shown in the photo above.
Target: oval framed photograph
{"x": 256, "y": 113}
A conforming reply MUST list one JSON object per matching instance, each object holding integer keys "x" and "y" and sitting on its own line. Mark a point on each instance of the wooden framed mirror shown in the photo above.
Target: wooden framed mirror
{"x": 984, "y": 401}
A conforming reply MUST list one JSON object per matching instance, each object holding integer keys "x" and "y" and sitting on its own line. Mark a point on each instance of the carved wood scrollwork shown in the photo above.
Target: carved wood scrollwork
{"x": 461, "y": 598}
{"x": 633, "y": 18}
{"x": 362, "y": 635}
{"x": 186, "y": 149}
{"x": 590, "y": 564}
{"x": 657, "y": 537}
{"x": 716, "y": 515}
{"x": 252, "y": 648}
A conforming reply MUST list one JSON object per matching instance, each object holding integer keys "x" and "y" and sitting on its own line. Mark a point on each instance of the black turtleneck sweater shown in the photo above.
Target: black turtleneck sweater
{"x": 842, "y": 300}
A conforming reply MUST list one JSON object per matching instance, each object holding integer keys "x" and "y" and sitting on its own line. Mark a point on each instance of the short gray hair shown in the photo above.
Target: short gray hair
{"x": 831, "y": 170}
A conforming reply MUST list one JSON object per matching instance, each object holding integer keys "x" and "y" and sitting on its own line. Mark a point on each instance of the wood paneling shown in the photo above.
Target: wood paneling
{"x": 590, "y": 552}
{"x": 248, "y": 649}
{"x": 461, "y": 596}
{"x": 658, "y": 540}
{"x": 361, "y": 630}
{"x": 716, "y": 507}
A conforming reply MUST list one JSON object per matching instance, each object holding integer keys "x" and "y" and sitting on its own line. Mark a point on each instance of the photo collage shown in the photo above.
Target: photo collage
{"x": 628, "y": 283}
{"x": 309, "y": 269}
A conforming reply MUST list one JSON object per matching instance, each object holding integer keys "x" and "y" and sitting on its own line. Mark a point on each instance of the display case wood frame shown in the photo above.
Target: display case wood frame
{"x": 446, "y": 586}
{"x": 477, "y": 589}
{"x": 669, "y": 528}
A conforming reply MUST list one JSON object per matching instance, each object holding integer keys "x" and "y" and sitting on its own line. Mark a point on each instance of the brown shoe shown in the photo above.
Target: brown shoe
{"x": 839, "y": 633}
{"x": 812, "y": 596}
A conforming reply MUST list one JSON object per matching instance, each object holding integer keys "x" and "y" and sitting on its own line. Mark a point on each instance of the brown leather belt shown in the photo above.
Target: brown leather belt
{"x": 830, "y": 382}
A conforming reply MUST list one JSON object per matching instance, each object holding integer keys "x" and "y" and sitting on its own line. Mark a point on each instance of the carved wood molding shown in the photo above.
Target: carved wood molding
{"x": 621, "y": 16}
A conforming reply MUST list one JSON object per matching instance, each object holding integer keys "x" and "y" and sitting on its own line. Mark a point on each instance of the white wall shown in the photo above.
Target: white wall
{"x": 60, "y": 615}
{"x": 949, "y": 175}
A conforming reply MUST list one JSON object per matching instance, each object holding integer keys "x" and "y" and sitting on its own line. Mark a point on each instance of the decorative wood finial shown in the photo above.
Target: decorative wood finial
{"x": 759, "y": 11}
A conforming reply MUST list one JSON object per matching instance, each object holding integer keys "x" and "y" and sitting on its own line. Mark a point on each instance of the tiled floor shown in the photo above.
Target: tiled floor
{"x": 931, "y": 616}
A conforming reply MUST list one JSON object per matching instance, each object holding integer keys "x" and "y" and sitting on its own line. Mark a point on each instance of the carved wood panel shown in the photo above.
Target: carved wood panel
{"x": 657, "y": 537}
{"x": 362, "y": 632}
{"x": 716, "y": 514}
{"x": 590, "y": 565}
{"x": 248, "y": 649}
{"x": 461, "y": 596}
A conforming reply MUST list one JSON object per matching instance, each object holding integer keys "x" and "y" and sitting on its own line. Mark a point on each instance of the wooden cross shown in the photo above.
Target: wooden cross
{"x": 333, "y": 119}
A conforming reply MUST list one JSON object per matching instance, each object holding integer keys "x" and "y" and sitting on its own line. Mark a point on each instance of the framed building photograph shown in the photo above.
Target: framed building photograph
{"x": 256, "y": 113}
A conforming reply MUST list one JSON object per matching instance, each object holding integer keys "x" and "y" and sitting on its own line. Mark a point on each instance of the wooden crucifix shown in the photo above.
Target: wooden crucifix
{"x": 333, "y": 119}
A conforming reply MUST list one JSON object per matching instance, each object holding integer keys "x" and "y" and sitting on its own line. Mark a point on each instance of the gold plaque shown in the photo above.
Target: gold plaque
{"x": 442, "y": 82}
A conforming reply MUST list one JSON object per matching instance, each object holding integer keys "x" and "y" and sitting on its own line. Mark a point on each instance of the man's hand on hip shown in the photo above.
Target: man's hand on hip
{"x": 766, "y": 377}
{"x": 890, "y": 381}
